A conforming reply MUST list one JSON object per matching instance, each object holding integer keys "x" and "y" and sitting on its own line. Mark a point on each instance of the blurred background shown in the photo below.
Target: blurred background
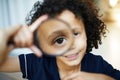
{"x": 14, "y": 12}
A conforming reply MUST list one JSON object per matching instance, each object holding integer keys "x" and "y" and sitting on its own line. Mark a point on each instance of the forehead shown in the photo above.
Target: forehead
{"x": 53, "y": 26}
{"x": 71, "y": 19}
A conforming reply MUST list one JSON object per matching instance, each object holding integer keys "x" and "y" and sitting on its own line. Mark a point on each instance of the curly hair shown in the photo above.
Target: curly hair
{"x": 94, "y": 26}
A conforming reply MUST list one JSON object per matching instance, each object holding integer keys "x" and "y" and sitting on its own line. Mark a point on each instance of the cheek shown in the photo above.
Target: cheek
{"x": 81, "y": 42}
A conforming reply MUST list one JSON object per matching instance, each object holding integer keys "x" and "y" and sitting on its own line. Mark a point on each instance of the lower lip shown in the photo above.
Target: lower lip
{"x": 72, "y": 57}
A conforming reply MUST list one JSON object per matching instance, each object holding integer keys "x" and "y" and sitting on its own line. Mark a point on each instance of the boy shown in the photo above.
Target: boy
{"x": 77, "y": 63}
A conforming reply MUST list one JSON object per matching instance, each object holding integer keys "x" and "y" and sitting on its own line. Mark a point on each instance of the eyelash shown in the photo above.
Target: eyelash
{"x": 61, "y": 39}
{"x": 76, "y": 34}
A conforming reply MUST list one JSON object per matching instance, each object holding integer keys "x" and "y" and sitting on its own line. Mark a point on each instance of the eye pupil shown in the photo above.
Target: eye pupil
{"x": 75, "y": 33}
{"x": 59, "y": 41}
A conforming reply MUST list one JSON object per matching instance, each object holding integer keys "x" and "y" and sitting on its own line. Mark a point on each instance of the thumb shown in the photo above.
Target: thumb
{"x": 36, "y": 50}
{"x": 10, "y": 31}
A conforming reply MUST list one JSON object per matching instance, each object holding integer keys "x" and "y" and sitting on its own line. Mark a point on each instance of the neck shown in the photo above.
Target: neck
{"x": 65, "y": 70}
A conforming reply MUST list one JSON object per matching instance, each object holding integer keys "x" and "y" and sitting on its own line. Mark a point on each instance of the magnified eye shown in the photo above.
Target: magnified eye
{"x": 76, "y": 34}
{"x": 60, "y": 41}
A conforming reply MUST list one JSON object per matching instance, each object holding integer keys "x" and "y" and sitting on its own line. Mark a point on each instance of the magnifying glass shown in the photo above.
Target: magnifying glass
{"x": 53, "y": 37}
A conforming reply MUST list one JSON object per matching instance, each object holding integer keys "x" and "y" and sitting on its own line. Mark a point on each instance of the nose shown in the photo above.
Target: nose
{"x": 73, "y": 44}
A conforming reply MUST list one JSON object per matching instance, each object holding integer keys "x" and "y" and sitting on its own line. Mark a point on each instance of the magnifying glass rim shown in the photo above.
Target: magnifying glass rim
{"x": 38, "y": 43}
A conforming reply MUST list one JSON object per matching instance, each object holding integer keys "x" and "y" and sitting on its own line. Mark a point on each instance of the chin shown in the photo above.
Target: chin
{"x": 73, "y": 63}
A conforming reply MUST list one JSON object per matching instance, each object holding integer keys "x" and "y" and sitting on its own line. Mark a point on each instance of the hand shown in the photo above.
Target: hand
{"x": 5, "y": 35}
{"x": 87, "y": 76}
{"x": 24, "y": 38}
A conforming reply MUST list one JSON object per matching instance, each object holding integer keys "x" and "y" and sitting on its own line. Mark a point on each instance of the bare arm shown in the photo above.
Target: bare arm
{"x": 8, "y": 64}
{"x": 11, "y": 64}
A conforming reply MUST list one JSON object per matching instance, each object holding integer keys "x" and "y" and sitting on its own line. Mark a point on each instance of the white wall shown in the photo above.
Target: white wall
{"x": 14, "y": 11}
{"x": 110, "y": 49}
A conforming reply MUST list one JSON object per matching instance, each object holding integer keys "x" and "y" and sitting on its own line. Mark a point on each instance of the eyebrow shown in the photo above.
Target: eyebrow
{"x": 57, "y": 19}
{"x": 76, "y": 29}
{"x": 80, "y": 28}
{"x": 56, "y": 33}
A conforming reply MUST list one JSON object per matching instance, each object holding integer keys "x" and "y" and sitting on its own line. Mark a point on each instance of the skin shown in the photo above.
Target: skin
{"x": 69, "y": 63}
{"x": 72, "y": 58}
{"x": 5, "y": 34}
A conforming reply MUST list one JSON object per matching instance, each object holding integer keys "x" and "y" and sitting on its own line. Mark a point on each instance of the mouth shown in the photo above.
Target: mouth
{"x": 72, "y": 56}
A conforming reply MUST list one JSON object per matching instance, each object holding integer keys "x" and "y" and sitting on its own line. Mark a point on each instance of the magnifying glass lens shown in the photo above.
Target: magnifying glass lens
{"x": 54, "y": 37}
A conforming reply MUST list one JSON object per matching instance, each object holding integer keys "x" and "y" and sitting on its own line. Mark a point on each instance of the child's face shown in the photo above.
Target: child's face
{"x": 55, "y": 37}
{"x": 75, "y": 54}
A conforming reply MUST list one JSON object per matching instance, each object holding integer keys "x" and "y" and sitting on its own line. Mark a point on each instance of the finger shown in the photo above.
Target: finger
{"x": 22, "y": 41}
{"x": 26, "y": 37}
{"x": 36, "y": 50}
{"x": 18, "y": 40}
{"x": 12, "y": 30}
{"x": 23, "y": 38}
{"x": 37, "y": 23}
{"x": 29, "y": 38}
